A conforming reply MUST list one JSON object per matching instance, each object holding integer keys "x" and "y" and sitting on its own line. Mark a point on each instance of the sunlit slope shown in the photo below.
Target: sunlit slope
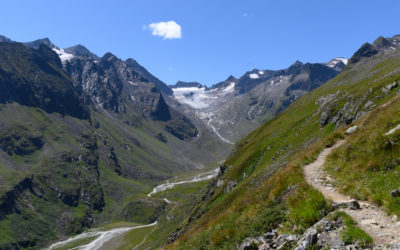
{"x": 263, "y": 186}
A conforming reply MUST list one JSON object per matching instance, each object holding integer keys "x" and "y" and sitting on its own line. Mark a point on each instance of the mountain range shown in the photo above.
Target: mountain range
{"x": 84, "y": 140}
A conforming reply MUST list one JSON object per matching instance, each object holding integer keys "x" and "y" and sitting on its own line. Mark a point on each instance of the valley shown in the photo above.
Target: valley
{"x": 98, "y": 153}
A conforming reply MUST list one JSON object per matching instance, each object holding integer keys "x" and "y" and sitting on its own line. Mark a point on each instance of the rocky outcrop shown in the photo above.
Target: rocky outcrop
{"x": 386, "y": 90}
{"x": 143, "y": 211}
{"x": 326, "y": 232}
{"x": 34, "y": 77}
{"x": 9, "y": 201}
{"x": 366, "y": 50}
{"x": 20, "y": 140}
{"x": 342, "y": 109}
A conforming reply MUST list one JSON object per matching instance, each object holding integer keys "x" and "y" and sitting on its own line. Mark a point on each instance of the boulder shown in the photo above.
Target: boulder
{"x": 395, "y": 193}
{"x": 309, "y": 239}
{"x": 354, "y": 205}
{"x": 351, "y": 130}
{"x": 389, "y": 87}
{"x": 230, "y": 185}
{"x": 250, "y": 243}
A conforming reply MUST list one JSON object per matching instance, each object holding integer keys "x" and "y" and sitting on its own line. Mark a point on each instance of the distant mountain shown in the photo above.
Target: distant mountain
{"x": 381, "y": 44}
{"x": 337, "y": 63}
{"x": 181, "y": 84}
{"x": 234, "y": 107}
{"x": 4, "y": 39}
{"x": 36, "y": 44}
{"x": 80, "y": 50}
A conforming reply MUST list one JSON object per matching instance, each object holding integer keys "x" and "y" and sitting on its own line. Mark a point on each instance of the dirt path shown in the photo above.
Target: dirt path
{"x": 384, "y": 230}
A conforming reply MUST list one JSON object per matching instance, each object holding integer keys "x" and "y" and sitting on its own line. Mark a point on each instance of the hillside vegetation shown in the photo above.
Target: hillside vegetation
{"x": 263, "y": 187}
{"x": 367, "y": 167}
{"x": 68, "y": 164}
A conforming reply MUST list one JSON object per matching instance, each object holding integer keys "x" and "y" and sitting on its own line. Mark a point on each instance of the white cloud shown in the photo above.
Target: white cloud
{"x": 245, "y": 14}
{"x": 170, "y": 68}
{"x": 167, "y": 30}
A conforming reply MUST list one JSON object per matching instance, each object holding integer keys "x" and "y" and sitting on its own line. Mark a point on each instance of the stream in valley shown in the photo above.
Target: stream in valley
{"x": 95, "y": 238}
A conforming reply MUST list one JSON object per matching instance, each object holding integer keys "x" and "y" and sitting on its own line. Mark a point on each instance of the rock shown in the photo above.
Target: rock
{"x": 395, "y": 193}
{"x": 173, "y": 237}
{"x": 389, "y": 87}
{"x": 230, "y": 186}
{"x": 395, "y": 246}
{"x": 249, "y": 243}
{"x": 270, "y": 235}
{"x": 369, "y": 105}
{"x": 220, "y": 182}
{"x": 339, "y": 205}
{"x": 309, "y": 239}
{"x": 292, "y": 238}
{"x": 354, "y": 205}
{"x": 369, "y": 222}
{"x": 394, "y": 218}
{"x": 351, "y": 130}
{"x": 281, "y": 239}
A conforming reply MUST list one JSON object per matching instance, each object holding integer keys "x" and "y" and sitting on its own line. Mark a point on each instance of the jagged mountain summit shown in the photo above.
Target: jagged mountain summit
{"x": 181, "y": 84}
{"x": 234, "y": 107}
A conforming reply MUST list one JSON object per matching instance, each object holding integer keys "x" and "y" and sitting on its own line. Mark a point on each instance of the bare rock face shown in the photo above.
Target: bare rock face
{"x": 124, "y": 87}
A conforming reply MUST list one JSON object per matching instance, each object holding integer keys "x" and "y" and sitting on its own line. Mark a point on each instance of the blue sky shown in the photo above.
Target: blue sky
{"x": 218, "y": 37}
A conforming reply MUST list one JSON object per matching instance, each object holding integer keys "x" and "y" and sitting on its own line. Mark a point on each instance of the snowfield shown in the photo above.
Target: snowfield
{"x": 64, "y": 56}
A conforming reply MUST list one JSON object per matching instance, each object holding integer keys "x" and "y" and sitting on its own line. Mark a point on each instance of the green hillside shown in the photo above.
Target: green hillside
{"x": 263, "y": 187}
{"x": 66, "y": 165}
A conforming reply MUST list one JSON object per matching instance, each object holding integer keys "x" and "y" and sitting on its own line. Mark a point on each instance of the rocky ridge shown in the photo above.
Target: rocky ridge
{"x": 234, "y": 107}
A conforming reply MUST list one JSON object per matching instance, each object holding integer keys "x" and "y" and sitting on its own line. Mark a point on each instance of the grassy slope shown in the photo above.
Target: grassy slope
{"x": 136, "y": 148}
{"x": 267, "y": 165}
{"x": 27, "y": 225}
{"x": 367, "y": 167}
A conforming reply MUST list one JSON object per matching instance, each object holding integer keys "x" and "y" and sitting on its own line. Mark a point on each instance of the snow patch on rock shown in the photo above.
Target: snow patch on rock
{"x": 64, "y": 56}
{"x": 254, "y": 76}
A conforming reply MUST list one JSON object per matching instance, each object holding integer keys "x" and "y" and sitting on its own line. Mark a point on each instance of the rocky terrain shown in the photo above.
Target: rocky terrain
{"x": 234, "y": 107}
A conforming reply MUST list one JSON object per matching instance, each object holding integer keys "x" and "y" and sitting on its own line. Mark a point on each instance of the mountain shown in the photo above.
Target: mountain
{"x": 37, "y": 43}
{"x": 83, "y": 140}
{"x": 41, "y": 84}
{"x": 337, "y": 63}
{"x": 80, "y": 51}
{"x": 261, "y": 197}
{"x": 89, "y": 140}
{"x": 4, "y": 39}
{"x": 180, "y": 84}
{"x": 234, "y": 107}
{"x": 147, "y": 75}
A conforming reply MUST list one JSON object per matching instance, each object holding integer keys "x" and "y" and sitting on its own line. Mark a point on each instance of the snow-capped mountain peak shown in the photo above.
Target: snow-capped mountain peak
{"x": 64, "y": 56}
{"x": 332, "y": 63}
